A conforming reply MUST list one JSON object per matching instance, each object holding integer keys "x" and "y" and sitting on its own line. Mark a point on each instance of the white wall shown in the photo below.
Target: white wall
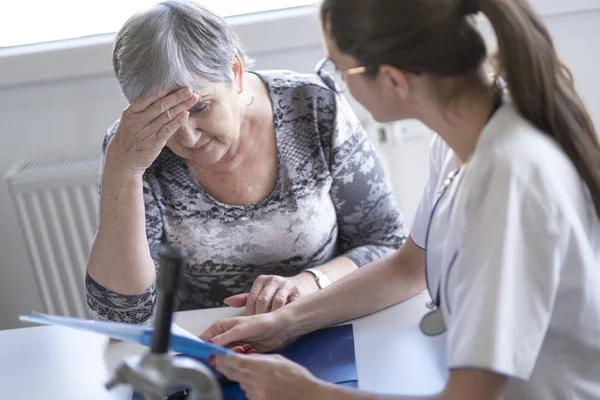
{"x": 62, "y": 99}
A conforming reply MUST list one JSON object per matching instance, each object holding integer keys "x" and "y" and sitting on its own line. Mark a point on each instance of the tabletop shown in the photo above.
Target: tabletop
{"x": 49, "y": 362}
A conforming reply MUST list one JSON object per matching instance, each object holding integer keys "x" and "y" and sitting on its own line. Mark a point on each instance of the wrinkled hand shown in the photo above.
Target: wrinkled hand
{"x": 264, "y": 332}
{"x": 145, "y": 127}
{"x": 266, "y": 377}
{"x": 271, "y": 292}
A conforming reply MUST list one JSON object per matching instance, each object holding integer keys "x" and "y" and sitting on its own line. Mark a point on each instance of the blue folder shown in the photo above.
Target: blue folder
{"x": 328, "y": 354}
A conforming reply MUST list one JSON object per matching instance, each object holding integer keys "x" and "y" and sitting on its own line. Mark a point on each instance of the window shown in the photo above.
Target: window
{"x": 27, "y": 22}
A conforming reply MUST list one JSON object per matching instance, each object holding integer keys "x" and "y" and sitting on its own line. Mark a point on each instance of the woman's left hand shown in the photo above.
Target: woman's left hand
{"x": 265, "y": 376}
{"x": 271, "y": 292}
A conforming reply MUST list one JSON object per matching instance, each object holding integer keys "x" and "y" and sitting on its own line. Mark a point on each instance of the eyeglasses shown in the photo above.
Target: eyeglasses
{"x": 333, "y": 77}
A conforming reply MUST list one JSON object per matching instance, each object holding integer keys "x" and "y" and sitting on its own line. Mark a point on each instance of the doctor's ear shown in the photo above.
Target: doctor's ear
{"x": 397, "y": 80}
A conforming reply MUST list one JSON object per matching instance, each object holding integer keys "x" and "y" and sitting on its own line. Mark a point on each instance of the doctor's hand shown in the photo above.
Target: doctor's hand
{"x": 265, "y": 377}
{"x": 271, "y": 292}
{"x": 264, "y": 332}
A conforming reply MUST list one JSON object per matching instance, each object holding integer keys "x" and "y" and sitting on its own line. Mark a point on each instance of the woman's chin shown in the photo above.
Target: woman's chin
{"x": 227, "y": 154}
{"x": 211, "y": 153}
{"x": 218, "y": 156}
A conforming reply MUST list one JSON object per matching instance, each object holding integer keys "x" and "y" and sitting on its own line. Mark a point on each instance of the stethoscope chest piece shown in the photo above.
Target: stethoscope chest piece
{"x": 432, "y": 324}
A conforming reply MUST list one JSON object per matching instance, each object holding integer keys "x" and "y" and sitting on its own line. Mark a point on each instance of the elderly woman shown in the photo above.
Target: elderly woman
{"x": 266, "y": 179}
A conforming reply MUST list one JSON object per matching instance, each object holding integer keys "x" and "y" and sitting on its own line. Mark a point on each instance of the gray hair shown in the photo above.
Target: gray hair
{"x": 167, "y": 45}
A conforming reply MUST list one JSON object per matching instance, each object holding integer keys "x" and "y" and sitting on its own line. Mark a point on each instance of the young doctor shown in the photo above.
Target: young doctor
{"x": 513, "y": 243}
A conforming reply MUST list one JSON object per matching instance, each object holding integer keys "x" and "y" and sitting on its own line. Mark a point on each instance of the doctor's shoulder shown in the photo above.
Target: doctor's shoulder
{"x": 442, "y": 159}
{"x": 514, "y": 152}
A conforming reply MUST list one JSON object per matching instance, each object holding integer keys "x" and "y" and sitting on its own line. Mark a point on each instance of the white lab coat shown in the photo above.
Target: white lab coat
{"x": 430, "y": 233}
{"x": 514, "y": 248}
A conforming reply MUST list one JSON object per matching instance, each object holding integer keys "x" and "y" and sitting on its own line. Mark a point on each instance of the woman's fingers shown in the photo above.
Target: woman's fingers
{"x": 263, "y": 332}
{"x": 219, "y": 328}
{"x": 231, "y": 331}
{"x": 255, "y": 291}
{"x": 263, "y": 293}
{"x": 169, "y": 129}
{"x": 166, "y": 117}
{"x": 265, "y": 298}
{"x": 160, "y": 105}
{"x": 239, "y": 300}
{"x": 143, "y": 102}
{"x": 166, "y": 103}
{"x": 295, "y": 295}
{"x": 281, "y": 298}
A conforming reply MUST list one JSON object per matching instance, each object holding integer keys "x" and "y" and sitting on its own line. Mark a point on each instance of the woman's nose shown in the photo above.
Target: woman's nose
{"x": 188, "y": 136}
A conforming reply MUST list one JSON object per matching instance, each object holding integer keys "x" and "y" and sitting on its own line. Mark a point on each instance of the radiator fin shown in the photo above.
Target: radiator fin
{"x": 56, "y": 199}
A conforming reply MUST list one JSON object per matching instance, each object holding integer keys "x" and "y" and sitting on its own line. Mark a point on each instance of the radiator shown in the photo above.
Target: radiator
{"x": 56, "y": 201}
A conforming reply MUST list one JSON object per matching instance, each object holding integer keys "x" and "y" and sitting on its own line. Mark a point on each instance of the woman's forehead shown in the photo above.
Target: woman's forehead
{"x": 203, "y": 91}
{"x": 201, "y": 86}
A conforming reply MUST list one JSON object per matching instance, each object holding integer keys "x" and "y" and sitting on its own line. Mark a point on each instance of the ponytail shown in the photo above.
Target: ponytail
{"x": 542, "y": 88}
{"x": 439, "y": 39}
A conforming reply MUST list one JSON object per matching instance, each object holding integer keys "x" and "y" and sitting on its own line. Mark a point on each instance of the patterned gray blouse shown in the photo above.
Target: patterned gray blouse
{"x": 330, "y": 198}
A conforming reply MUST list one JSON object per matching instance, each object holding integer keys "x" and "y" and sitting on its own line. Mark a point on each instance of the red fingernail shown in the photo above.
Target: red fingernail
{"x": 210, "y": 341}
{"x": 247, "y": 348}
{"x": 239, "y": 350}
{"x": 251, "y": 351}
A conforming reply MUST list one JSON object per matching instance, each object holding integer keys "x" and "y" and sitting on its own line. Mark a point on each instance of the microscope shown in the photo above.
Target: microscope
{"x": 155, "y": 373}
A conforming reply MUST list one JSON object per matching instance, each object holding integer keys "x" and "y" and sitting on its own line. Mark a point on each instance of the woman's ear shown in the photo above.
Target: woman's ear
{"x": 238, "y": 73}
{"x": 395, "y": 79}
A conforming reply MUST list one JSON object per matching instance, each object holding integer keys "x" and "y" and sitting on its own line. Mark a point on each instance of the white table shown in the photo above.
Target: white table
{"x": 392, "y": 356}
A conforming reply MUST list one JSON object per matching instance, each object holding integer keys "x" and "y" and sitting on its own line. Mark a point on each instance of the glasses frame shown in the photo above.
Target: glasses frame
{"x": 346, "y": 72}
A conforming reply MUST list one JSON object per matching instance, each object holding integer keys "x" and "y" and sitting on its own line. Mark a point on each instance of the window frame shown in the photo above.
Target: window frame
{"x": 91, "y": 56}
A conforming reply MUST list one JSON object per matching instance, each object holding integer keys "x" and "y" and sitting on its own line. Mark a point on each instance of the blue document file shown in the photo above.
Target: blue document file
{"x": 328, "y": 354}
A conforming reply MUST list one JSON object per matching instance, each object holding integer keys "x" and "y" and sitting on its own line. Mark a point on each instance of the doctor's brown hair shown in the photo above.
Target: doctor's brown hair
{"x": 437, "y": 38}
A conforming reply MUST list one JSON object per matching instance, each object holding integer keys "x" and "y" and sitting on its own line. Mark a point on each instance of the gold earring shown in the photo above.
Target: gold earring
{"x": 249, "y": 103}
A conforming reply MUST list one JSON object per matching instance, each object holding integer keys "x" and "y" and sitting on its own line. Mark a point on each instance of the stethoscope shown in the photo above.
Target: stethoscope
{"x": 433, "y": 324}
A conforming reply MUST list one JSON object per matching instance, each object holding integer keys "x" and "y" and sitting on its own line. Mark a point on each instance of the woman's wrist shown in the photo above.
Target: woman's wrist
{"x": 119, "y": 164}
{"x": 306, "y": 283}
{"x": 120, "y": 196}
{"x": 114, "y": 170}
